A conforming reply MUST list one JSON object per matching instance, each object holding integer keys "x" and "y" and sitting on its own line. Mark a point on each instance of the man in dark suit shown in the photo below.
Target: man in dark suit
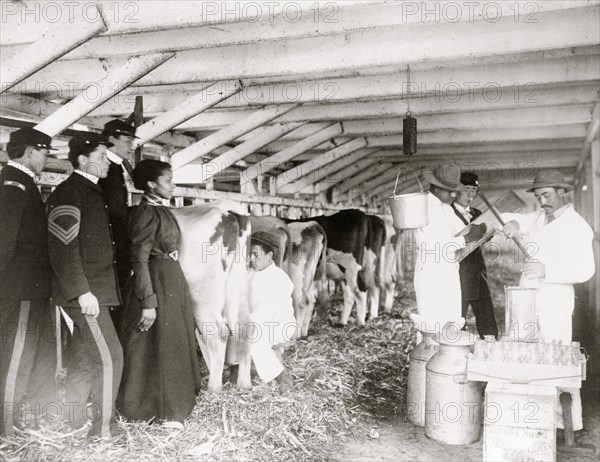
{"x": 473, "y": 274}
{"x": 28, "y": 345}
{"x": 114, "y": 187}
{"x": 84, "y": 284}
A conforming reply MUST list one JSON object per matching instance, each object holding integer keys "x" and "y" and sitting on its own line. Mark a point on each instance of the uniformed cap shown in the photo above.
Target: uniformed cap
{"x": 469, "y": 179}
{"x": 118, "y": 127}
{"x": 31, "y": 137}
{"x": 87, "y": 141}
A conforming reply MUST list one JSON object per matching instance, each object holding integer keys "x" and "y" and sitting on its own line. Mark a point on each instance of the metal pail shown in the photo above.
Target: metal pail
{"x": 520, "y": 314}
{"x": 409, "y": 211}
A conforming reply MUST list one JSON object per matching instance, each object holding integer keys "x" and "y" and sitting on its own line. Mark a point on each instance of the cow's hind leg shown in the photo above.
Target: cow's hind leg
{"x": 374, "y": 294}
{"x": 389, "y": 290}
{"x": 361, "y": 307}
{"x": 348, "y": 304}
{"x": 213, "y": 346}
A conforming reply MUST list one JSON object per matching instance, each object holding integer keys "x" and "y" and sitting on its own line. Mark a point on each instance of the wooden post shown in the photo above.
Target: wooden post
{"x": 138, "y": 120}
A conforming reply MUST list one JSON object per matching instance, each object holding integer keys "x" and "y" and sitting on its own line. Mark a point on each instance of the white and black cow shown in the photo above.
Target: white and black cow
{"x": 347, "y": 234}
{"x": 300, "y": 246}
{"x": 306, "y": 250}
{"x": 373, "y": 263}
{"x": 212, "y": 258}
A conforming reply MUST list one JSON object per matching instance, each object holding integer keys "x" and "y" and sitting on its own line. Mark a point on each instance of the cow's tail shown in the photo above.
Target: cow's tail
{"x": 323, "y": 298}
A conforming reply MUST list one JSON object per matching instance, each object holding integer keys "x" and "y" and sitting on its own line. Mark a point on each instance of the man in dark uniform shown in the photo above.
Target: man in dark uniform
{"x": 28, "y": 345}
{"x": 84, "y": 283}
{"x": 473, "y": 274}
{"x": 114, "y": 186}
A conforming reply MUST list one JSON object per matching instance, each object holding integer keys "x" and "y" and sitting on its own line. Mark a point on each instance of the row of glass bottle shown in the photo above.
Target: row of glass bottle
{"x": 509, "y": 351}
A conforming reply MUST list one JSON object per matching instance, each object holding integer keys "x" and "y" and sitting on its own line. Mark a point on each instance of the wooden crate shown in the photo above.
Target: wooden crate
{"x": 523, "y": 373}
{"x": 519, "y": 423}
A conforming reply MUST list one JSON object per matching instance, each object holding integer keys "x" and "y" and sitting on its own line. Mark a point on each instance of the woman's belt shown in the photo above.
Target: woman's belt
{"x": 164, "y": 256}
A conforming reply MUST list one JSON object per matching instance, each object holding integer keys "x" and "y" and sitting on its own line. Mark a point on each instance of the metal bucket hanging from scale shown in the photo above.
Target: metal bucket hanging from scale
{"x": 409, "y": 211}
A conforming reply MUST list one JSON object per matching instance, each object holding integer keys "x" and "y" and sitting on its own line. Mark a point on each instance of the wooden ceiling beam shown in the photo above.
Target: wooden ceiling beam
{"x": 438, "y": 41}
{"x": 104, "y": 89}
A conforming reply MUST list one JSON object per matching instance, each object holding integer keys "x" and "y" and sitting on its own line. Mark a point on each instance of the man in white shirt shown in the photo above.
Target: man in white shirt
{"x": 559, "y": 241}
{"x": 437, "y": 282}
{"x": 271, "y": 310}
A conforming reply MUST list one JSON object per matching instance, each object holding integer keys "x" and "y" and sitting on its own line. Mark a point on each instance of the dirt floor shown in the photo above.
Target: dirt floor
{"x": 394, "y": 439}
{"x": 398, "y": 440}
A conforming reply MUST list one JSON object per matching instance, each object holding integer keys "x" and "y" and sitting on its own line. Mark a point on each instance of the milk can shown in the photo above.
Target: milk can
{"x": 520, "y": 314}
{"x": 418, "y": 358}
{"x": 453, "y": 404}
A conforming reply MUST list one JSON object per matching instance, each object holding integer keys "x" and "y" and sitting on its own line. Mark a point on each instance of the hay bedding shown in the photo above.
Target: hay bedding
{"x": 344, "y": 380}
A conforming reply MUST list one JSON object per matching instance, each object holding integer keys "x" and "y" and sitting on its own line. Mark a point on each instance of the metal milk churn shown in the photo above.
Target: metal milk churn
{"x": 453, "y": 404}
{"x": 418, "y": 358}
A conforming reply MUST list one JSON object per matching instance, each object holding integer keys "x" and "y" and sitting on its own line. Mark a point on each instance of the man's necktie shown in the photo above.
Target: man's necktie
{"x": 128, "y": 167}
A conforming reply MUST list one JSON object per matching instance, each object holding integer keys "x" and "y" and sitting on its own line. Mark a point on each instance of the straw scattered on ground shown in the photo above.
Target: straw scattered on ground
{"x": 345, "y": 379}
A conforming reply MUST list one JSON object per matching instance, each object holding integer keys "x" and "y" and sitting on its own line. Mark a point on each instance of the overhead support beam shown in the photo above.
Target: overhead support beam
{"x": 201, "y": 173}
{"x": 325, "y": 171}
{"x": 360, "y": 178}
{"x": 396, "y": 107}
{"x": 441, "y": 41}
{"x": 589, "y": 139}
{"x": 483, "y": 135}
{"x": 109, "y": 86}
{"x": 508, "y": 118}
{"x": 204, "y": 100}
{"x": 378, "y": 181}
{"x": 292, "y": 175}
{"x": 339, "y": 176}
{"x": 291, "y": 152}
{"x": 55, "y": 43}
{"x": 218, "y": 139}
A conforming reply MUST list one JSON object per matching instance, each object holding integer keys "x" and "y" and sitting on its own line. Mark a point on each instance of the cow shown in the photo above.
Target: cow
{"x": 307, "y": 248}
{"x": 373, "y": 263}
{"x": 212, "y": 258}
{"x": 300, "y": 248}
{"x": 347, "y": 234}
{"x": 392, "y": 265}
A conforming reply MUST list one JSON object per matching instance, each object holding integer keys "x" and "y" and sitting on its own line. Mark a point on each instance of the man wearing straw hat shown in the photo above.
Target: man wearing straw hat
{"x": 563, "y": 256}
{"x": 436, "y": 280}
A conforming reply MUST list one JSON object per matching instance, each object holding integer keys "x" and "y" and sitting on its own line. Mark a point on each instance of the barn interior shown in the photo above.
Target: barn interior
{"x": 296, "y": 109}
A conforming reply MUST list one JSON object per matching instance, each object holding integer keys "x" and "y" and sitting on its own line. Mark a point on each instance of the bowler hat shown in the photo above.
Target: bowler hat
{"x": 86, "y": 142}
{"x": 445, "y": 176}
{"x": 549, "y": 179}
{"x": 29, "y": 136}
{"x": 469, "y": 179}
{"x": 117, "y": 127}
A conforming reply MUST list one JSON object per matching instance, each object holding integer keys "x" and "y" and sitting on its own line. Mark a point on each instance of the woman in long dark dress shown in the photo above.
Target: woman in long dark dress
{"x": 161, "y": 374}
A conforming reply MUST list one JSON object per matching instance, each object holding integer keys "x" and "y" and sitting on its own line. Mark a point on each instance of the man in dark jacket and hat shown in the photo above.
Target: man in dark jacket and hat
{"x": 473, "y": 274}
{"x": 27, "y": 361}
{"x": 121, "y": 135}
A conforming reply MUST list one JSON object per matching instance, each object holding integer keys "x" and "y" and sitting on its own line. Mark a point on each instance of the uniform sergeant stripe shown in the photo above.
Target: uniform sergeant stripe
{"x": 15, "y": 362}
{"x": 107, "y": 375}
{"x": 64, "y": 236}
